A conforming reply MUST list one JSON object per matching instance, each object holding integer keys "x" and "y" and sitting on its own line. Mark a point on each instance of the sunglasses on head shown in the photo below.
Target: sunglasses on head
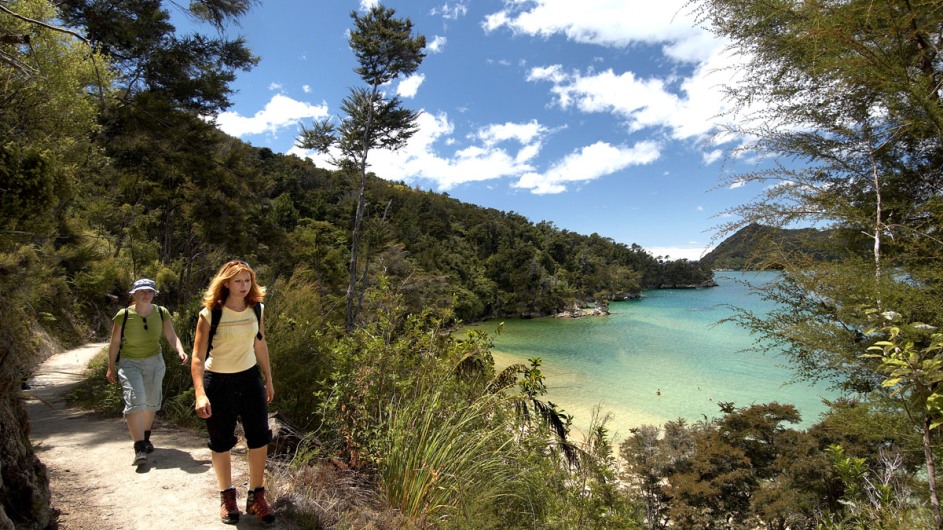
{"x": 237, "y": 262}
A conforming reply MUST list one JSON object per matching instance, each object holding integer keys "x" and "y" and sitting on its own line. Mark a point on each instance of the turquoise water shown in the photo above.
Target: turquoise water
{"x": 659, "y": 358}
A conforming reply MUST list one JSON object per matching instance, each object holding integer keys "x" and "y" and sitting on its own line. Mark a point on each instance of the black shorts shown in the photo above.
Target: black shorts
{"x": 240, "y": 395}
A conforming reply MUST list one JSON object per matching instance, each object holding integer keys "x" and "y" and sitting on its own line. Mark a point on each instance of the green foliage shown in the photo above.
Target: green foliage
{"x": 298, "y": 326}
{"x": 30, "y": 187}
{"x": 394, "y": 358}
{"x": 441, "y": 459}
{"x": 912, "y": 359}
{"x": 723, "y": 472}
{"x": 873, "y": 500}
{"x": 190, "y": 72}
{"x": 757, "y": 247}
{"x": 596, "y": 497}
{"x": 178, "y": 409}
{"x": 95, "y": 392}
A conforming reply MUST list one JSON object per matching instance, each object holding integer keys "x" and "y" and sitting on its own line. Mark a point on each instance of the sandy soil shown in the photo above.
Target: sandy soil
{"x": 94, "y": 485}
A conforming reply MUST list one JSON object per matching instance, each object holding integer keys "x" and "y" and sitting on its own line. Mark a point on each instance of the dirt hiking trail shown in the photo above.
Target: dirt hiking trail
{"x": 94, "y": 485}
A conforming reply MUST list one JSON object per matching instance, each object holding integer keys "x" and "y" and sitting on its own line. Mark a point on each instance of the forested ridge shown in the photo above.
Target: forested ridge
{"x": 111, "y": 169}
{"x": 756, "y": 246}
{"x": 443, "y": 253}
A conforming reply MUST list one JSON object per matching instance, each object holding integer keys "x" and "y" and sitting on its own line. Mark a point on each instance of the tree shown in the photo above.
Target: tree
{"x": 385, "y": 49}
{"x": 51, "y": 88}
{"x": 166, "y": 194}
{"x": 912, "y": 358}
{"x": 844, "y": 99}
{"x": 193, "y": 72}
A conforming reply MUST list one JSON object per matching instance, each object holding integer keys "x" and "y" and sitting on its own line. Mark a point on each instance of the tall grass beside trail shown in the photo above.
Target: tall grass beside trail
{"x": 441, "y": 460}
{"x": 300, "y": 337}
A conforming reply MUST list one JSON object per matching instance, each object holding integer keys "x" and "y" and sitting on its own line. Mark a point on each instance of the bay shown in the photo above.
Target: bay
{"x": 658, "y": 358}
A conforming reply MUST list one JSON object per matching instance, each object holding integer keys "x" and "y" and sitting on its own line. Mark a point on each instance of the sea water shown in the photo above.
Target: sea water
{"x": 662, "y": 357}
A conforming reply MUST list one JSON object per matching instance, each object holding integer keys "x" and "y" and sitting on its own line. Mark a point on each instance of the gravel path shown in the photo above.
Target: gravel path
{"x": 94, "y": 485}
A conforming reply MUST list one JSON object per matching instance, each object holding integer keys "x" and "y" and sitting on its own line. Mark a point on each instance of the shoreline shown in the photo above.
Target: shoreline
{"x": 622, "y": 419}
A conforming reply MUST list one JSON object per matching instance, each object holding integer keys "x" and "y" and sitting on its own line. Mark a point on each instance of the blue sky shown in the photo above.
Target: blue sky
{"x": 596, "y": 115}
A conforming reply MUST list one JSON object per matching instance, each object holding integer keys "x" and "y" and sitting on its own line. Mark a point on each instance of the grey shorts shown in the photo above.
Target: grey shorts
{"x": 141, "y": 381}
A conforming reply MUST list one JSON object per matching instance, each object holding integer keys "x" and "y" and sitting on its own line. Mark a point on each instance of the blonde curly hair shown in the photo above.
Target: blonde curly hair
{"x": 217, "y": 292}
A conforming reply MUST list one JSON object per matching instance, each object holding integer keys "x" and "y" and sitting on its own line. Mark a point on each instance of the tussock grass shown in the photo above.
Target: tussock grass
{"x": 327, "y": 495}
{"x": 439, "y": 455}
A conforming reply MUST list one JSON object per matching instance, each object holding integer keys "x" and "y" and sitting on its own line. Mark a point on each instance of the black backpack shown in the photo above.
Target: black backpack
{"x": 217, "y": 314}
{"x": 124, "y": 320}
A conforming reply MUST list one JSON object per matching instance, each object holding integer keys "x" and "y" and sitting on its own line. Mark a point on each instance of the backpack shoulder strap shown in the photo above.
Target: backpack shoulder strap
{"x": 257, "y": 309}
{"x": 216, "y": 314}
{"x": 160, "y": 311}
{"x": 124, "y": 320}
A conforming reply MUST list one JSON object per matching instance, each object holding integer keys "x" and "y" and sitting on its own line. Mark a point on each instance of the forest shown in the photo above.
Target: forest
{"x": 112, "y": 169}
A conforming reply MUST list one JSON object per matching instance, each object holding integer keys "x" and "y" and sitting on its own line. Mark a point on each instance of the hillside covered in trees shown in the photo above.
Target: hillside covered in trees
{"x": 756, "y": 246}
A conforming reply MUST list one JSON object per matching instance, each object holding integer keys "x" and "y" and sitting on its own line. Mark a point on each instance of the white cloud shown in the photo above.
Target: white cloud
{"x": 495, "y": 21}
{"x": 275, "y": 86}
{"x": 689, "y": 106}
{"x": 450, "y": 12}
{"x": 367, "y": 5}
{"x": 408, "y": 87}
{"x": 675, "y": 253}
{"x": 524, "y": 133}
{"x": 501, "y": 151}
{"x": 691, "y": 113}
{"x": 609, "y": 23}
{"x": 553, "y": 73}
{"x": 306, "y": 88}
{"x": 712, "y": 156}
{"x": 497, "y": 151}
{"x": 437, "y": 44}
{"x": 280, "y": 112}
{"x": 589, "y": 163}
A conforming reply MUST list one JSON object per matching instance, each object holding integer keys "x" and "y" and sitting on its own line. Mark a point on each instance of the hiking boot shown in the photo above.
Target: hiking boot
{"x": 256, "y": 505}
{"x": 140, "y": 454}
{"x": 228, "y": 510}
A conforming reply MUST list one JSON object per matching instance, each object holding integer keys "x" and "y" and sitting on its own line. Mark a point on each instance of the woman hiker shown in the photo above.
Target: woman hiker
{"x": 135, "y": 358}
{"x": 229, "y": 350}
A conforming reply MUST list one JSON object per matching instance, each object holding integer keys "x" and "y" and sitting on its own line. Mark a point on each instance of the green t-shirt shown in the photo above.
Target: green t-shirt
{"x": 140, "y": 343}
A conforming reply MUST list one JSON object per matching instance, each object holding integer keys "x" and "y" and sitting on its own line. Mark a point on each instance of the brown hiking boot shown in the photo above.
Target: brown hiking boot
{"x": 228, "y": 510}
{"x": 256, "y": 505}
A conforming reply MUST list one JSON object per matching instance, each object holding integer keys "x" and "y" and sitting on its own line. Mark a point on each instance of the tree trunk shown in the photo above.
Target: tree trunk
{"x": 877, "y": 221}
{"x": 350, "y": 315}
{"x": 931, "y": 472}
{"x": 354, "y": 247}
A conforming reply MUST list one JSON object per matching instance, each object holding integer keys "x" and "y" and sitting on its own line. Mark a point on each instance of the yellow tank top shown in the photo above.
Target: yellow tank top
{"x": 234, "y": 341}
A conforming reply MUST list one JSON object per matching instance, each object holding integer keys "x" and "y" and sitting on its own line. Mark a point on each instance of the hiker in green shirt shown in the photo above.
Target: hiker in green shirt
{"x": 135, "y": 359}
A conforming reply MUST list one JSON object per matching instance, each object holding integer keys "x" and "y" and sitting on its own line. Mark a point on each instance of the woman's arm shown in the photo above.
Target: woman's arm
{"x": 172, "y": 337}
{"x": 113, "y": 348}
{"x": 262, "y": 357}
{"x": 203, "y": 408}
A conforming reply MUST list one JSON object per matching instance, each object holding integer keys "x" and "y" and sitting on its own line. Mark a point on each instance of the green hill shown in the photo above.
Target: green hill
{"x": 762, "y": 247}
